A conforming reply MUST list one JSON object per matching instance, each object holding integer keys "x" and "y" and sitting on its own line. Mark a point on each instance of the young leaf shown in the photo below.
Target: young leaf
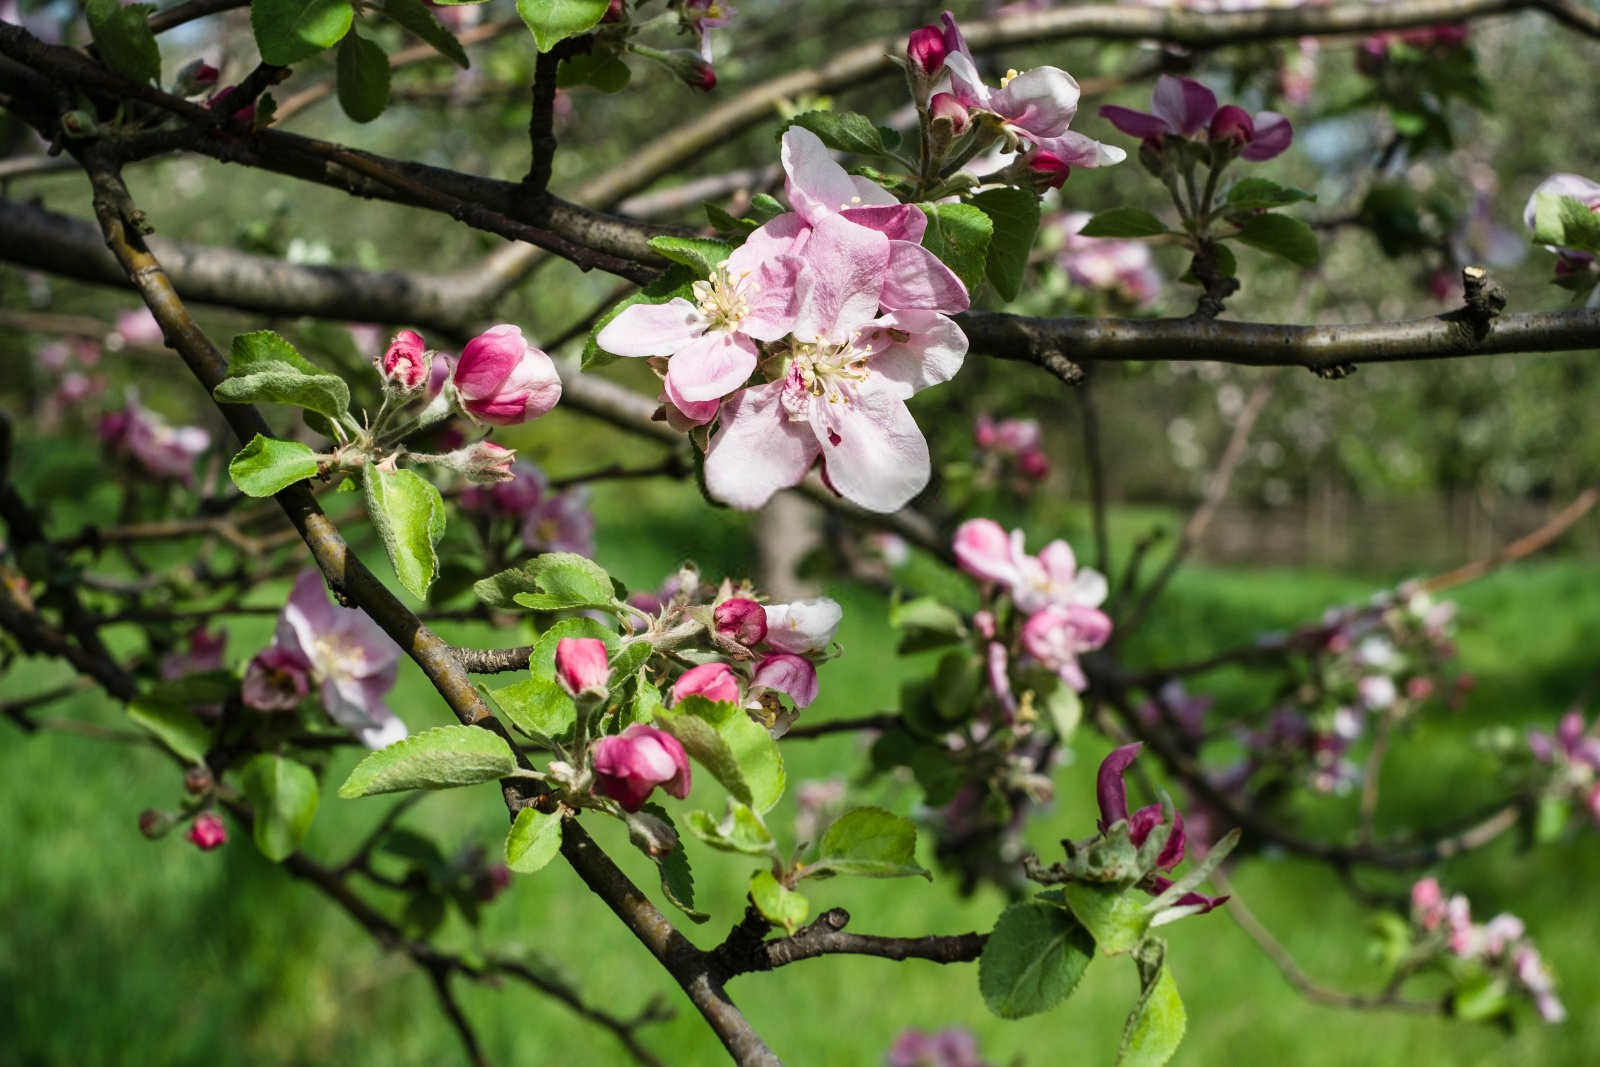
{"x": 1280, "y": 235}
{"x": 174, "y": 725}
{"x": 415, "y": 16}
{"x": 778, "y": 905}
{"x": 741, "y": 830}
{"x": 765, "y": 208}
{"x": 1065, "y": 708}
{"x": 1253, "y": 194}
{"x": 562, "y": 580}
{"x": 534, "y": 840}
{"x": 1565, "y": 222}
{"x": 1155, "y": 1026}
{"x": 1015, "y": 215}
{"x": 959, "y": 235}
{"x": 1115, "y": 917}
{"x": 677, "y": 880}
{"x": 363, "y": 78}
{"x": 737, "y": 751}
{"x": 263, "y": 368}
{"x": 723, "y": 222}
{"x": 266, "y": 465}
{"x": 699, "y": 254}
{"x": 675, "y": 282}
{"x": 409, "y": 516}
{"x": 709, "y": 748}
{"x": 123, "y": 38}
{"x": 537, "y": 706}
{"x": 288, "y": 31}
{"x": 284, "y": 795}
{"x": 870, "y": 842}
{"x": 1033, "y": 959}
{"x": 553, "y": 21}
{"x": 441, "y": 758}
{"x": 844, "y": 131}
{"x": 1123, "y": 222}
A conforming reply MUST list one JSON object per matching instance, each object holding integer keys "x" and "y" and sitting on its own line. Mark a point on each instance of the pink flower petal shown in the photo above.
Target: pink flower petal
{"x": 1184, "y": 103}
{"x": 874, "y": 453}
{"x": 652, "y": 329}
{"x": 846, "y": 265}
{"x": 1041, "y": 101}
{"x": 1140, "y": 124}
{"x": 898, "y": 222}
{"x": 712, "y": 366}
{"x": 917, "y": 279}
{"x": 757, "y": 450}
{"x": 932, "y": 353}
{"x": 1273, "y": 134}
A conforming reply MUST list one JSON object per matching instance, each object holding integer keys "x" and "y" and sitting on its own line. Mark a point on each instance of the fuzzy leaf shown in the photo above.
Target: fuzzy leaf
{"x": 1281, "y": 236}
{"x": 409, "y": 516}
{"x": 741, "y": 830}
{"x": 959, "y": 234}
{"x": 263, "y": 368}
{"x": 871, "y": 842}
{"x": 363, "y": 78}
{"x": 1115, "y": 917}
{"x": 844, "y": 131}
{"x": 562, "y": 580}
{"x": 553, "y": 21}
{"x": 780, "y": 906}
{"x": 441, "y": 758}
{"x": 536, "y": 706}
{"x": 284, "y": 795}
{"x": 266, "y": 465}
{"x": 534, "y": 840}
{"x": 1155, "y": 1026}
{"x": 699, "y": 254}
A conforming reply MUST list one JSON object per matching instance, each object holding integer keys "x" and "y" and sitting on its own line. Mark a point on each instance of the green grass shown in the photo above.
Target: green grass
{"x": 119, "y": 950}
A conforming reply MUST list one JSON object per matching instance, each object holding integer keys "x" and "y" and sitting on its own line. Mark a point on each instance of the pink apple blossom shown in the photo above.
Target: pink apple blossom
{"x": 630, "y": 765}
{"x": 1111, "y": 792}
{"x": 1183, "y": 108}
{"x": 405, "y": 364}
{"x": 1057, "y": 635}
{"x": 714, "y": 681}
{"x": 276, "y": 679}
{"x": 163, "y": 450}
{"x": 502, "y": 379}
{"x": 794, "y": 676}
{"x": 204, "y": 653}
{"x": 560, "y": 522}
{"x": 742, "y": 620}
{"x": 208, "y": 832}
{"x": 581, "y": 665}
{"x": 803, "y": 626}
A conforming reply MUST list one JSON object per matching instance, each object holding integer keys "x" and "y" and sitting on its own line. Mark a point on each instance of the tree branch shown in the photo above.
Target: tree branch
{"x": 826, "y": 936}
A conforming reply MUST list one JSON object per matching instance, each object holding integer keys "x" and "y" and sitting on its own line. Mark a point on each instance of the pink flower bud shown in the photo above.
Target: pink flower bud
{"x": 1232, "y": 123}
{"x": 493, "y": 881}
{"x": 1427, "y": 903}
{"x": 714, "y": 681}
{"x": 483, "y": 462}
{"x": 198, "y": 779}
{"x": 629, "y": 766}
{"x": 946, "y": 108}
{"x": 1048, "y": 170}
{"x": 581, "y": 665}
{"x": 195, "y": 78}
{"x": 983, "y": 550}
{"x": 787, "y": 673}
{"x": 405, "y": 364}
{"x": 1419, "y": 688}
{"x": 502, "y": 379}
{"x": 927, "y": 50}
{"x": 741, "y": 619}
{"x": 616, "y": 11}
{"x": 208, "y": 832}
{"x": 986, "y": 433}
{"x": 705, "y": 79}
{"x": 1034, "y": 464}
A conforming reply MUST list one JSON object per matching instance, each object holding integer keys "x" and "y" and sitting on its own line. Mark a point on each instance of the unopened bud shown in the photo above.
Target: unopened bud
{"x": 208, "y": 832}
{"x": 1034, "y": 464}
{"x": 945, "y": 108}
{"x": 1232, "y": 123}
{"x": 154, "y": 824}
{"x": 1048, "y": 170}
{"x": 927, "y": 50}
{"x": 198, "y": 779}
{"x": 483, "y": 462}
{"x": 195, "y": 78}
{"x": 742, "y": 620}
{"x": 616, "y": 11}
{"x": 714, "y": 681}
{"x": 581, "y": 665}
{"x": 405, "y": 364}
{"x": 78, "y": 124}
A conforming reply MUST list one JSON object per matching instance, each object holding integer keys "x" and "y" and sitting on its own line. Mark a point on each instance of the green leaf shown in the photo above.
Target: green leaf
{"x": 266, "y": 465}
{"x": 677, "y": 880}
{"x": 1253, "y": 194}
{"x": 175, "y": 726}
{"x": 844, "y": 131}
{"x": 598, "y": 70}
{"x": 415, "y": 16}
{"x": 1033, "y": 959}
{"x": 1566, "y": 222}
{"x": 1015, "y": 215}
{"x": 699, "y": 254}
{"x": 537, "y": 706}
{"x": 1280, "y": 235}
{"x": 543, "y": 660}
{"x": 263, "y": 368}
{"x": 737, "y": 751}
{"x": 959, "y": 235}
{"x": 1155, "y": 1026}
{"x": 441, "y": 758}
{"x": 779, "y": 905}
{"x": 1481, "y": 996}
{"x": 284, "y": 795}
{"x": 676, "y": 281}
{"x": 124, "y": 40}
{"x": 1115, "y": 917}
{"x": 562, "y": 580}
{"x": 926, "y": 613}
{"x": 723, "y": 222}
{"x": 741, "y": 830}
{"x": 1124, "y": 222}
{"x": 363, "y": 78}
{"x": 1550, "y": 819}
{"x": 765, "y": 207}
{"x": 409, "y": 516}
{"x": 1065, "y": 708}
{"x": 288, "y": 31}
{"x": 553, "y": 21}
{"x": 870, "y": 842}
{"x": 534, "y": 840}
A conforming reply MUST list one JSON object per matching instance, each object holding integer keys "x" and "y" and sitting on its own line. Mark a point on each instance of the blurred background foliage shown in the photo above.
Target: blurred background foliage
{"x": 120, "y": 950}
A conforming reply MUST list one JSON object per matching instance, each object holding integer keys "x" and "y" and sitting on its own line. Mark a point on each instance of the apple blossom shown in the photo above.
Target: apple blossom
{"x": 1183, "y": 108}
{"x": 195, "y": 78}
{"x": 405, "y": 364}
{"x": 630, "y": 765}
{"x": 927, "y": 48}
{"x": 1585, "y": 191}
{"x": 714, "y": 681}
{"x": 1056, "y": 635}
{"x": 1125, "y": 269}
{"x": 501, "y": 379}
{"x": 803, "y": 626}
{"x": 208, "y": 832}
{"x": 161, "y": 449}
{"x": 276, "y": 679}
{"x": 794, "y": 676}
{"x": 742, "y": 620}
{"x": 581, "y": 666}
{"x": 204, "y": 653}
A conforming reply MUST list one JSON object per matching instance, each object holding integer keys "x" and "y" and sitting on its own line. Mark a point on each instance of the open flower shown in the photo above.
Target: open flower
{"x": 163, "y": 450}
{"x": 803, "y": 626}
{"x": 1182, "y": 107}
{"x": 1057, "y": 636}
{"x": 344, "y": 652}
{"x": 1052, "y": 578}
{"x": 629, "y": 766}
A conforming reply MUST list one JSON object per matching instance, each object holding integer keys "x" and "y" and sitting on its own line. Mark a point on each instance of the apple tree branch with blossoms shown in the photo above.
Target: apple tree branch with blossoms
{"x": 783, "y": 340}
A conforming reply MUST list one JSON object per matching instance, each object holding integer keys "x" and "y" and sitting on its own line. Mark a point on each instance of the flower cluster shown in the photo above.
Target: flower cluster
{"x": 1124, "y": 270}
{"x": 1185, "y": 111}
{"x": 1499, "y": 945}
{"x": 1029, "y": 113}
{"x": 339, "y": 650}
{"x": 1059, "y": 598}
{"x": 844, "y": 316}
{"x": 1111, "y": 792}
{"x": 547, "y": 521}
{"x": 950, "y": 1047}
{"x": 1573, "y": 751}
{"x": 163, "y": 450}
{"x": 1014, "y": 443}
{"x": 1373, "y": 54}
